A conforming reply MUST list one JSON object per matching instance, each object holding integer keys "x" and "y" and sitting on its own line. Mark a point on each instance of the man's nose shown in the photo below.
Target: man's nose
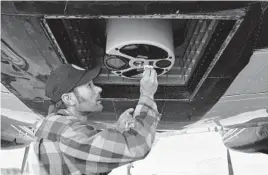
{"x": 98, "y": 89}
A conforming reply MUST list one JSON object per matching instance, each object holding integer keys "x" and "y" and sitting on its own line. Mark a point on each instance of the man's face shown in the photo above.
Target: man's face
{"x": 88, "y": 97}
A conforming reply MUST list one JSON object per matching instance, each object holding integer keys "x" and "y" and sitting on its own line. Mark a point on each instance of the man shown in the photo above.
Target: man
{"x": 66, "y": 144}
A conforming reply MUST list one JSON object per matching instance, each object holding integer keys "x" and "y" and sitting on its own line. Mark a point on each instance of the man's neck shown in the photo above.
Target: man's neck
{"x": 80, "y": 115}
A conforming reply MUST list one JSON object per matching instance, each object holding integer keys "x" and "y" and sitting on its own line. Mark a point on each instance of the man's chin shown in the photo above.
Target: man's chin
{"x": 99, "y": 108}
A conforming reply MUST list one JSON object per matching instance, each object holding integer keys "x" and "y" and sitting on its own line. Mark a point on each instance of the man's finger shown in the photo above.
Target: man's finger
{"x": 155, "y": 76}
{"x": 128, "y": 116}
{"x": 146, "y": 73}
{"x": 152, "y": 76}
{"x": 150, "y": 71}
{"x": 153, "y": 73}
{"x": 130, "y": 110}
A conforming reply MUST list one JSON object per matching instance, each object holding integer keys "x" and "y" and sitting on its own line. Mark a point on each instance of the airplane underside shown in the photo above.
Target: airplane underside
{"x": 197, "y": 49}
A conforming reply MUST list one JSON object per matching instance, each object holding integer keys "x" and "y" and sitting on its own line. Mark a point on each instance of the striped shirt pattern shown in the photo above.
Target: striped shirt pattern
{"x": 66, "y": 145}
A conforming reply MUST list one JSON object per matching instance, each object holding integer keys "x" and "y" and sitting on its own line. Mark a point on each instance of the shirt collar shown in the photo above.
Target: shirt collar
{"x": 63, "y": 112}
{"x": 94, "y": 125}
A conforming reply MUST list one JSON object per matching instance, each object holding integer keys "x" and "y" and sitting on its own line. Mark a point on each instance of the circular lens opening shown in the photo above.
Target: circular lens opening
{"x": 144, "y": 51}
{"x": 163, "y": 63}
{"x": 116, "y": 63}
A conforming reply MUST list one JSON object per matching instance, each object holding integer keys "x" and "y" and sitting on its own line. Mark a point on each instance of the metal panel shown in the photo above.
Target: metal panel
{"x": 26, "y": 60}
{"x": 25, "y": 37}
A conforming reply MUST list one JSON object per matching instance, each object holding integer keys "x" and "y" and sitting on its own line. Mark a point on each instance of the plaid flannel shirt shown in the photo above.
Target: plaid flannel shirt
{"x": 67, "y": 146}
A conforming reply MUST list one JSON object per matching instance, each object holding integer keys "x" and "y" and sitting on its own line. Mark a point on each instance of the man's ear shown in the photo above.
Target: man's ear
{"x": 68, "y": 99}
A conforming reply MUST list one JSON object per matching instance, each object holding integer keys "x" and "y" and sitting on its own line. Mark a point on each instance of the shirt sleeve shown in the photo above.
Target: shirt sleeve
{"x": 110, "y": 147}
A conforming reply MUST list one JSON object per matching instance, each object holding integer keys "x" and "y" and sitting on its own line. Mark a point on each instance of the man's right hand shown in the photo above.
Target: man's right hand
{"x": 149, "y": 83}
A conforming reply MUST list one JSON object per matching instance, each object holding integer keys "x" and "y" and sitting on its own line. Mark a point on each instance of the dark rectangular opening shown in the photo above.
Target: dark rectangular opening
{"x": 198, "y": 43}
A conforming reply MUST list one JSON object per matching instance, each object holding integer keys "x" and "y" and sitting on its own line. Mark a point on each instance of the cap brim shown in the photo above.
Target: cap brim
{"x": 89, "y": 75}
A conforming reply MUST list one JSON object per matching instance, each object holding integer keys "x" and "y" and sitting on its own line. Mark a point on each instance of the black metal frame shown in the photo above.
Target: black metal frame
{"x": 225, "y": 30}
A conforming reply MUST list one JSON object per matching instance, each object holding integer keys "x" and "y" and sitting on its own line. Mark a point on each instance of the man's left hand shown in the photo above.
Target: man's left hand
{"x": 125, "y": 121}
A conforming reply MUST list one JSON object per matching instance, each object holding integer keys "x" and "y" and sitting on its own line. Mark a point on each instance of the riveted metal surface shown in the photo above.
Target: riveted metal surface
{"x": 28, "y": 55}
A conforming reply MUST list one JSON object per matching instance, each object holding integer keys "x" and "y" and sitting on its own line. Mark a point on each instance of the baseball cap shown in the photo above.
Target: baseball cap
{"x": 67, "y": 77}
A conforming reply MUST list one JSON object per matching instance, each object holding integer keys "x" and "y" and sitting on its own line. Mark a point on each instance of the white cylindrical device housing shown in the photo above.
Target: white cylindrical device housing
{"x": 156, "y": 32}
